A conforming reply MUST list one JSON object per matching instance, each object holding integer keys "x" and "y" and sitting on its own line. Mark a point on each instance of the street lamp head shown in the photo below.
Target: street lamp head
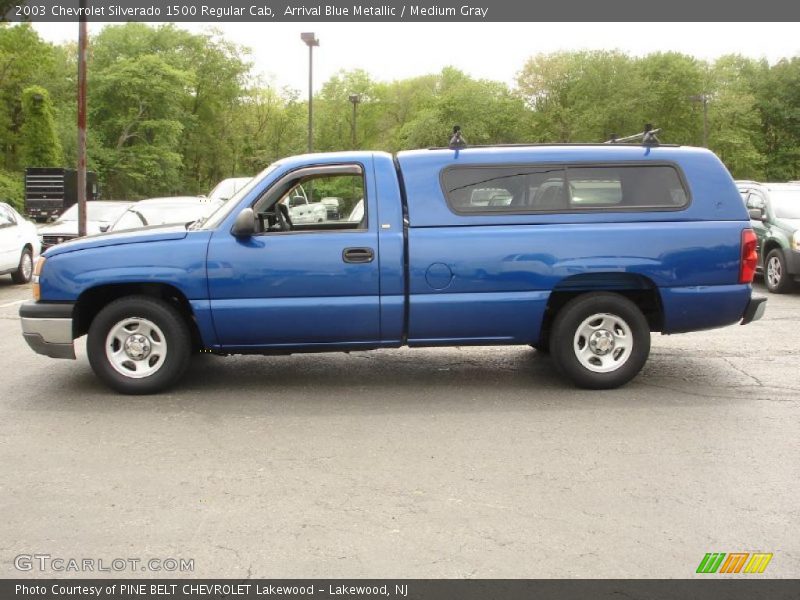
{"x": 309, "y": 38}
{"x": 355, "y": 98}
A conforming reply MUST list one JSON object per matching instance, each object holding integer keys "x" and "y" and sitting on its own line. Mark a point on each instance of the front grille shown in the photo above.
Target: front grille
{"x": 52, "y": 240}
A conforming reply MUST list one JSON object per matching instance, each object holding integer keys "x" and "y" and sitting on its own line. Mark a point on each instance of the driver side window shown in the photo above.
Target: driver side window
{"x": 324, "y": 202}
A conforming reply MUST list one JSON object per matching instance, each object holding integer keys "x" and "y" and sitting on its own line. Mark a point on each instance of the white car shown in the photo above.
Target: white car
{"x": 357, "y": 213}
{"x": 226, "y": 188}
{"x": 99, "y": 217}
{"x": 19, "y": 245}
{"x": 165, "y": 211}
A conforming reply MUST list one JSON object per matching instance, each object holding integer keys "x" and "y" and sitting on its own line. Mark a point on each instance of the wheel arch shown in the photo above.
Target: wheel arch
{"x": 770, "y": 245}
{"x": 92, "y": 300}
{"x": 640, "y": 290}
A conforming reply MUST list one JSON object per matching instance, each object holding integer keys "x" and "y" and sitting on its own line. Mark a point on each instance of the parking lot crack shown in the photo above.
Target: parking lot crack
{"x": 238, "y": 556}
{"x": 742, "y": 371}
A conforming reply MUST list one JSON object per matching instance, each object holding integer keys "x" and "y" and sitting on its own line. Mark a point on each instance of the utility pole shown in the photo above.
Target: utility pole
{"x": 83, "y": 44}
{"x": 355, "y": 99}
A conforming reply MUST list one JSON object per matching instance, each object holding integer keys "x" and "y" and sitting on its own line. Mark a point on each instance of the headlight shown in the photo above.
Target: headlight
{"x": 796, "y": 241}
{"x": 37, "y": 271}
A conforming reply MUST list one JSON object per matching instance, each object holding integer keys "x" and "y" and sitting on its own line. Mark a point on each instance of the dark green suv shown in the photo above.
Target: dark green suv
{"x": 775, "y": 215}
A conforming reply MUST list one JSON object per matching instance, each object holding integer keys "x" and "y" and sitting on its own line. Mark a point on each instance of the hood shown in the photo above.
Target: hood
{"x": 134, "y": 236}
{"x": 788, "y": 224}
{"x": 68, "y": 228}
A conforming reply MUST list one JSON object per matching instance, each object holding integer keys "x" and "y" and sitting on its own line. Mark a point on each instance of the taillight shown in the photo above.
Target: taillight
{"x": 749, "y": 259}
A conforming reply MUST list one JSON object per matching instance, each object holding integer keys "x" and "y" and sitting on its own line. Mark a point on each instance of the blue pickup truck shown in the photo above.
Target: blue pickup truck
{"x": 577, "y": 250}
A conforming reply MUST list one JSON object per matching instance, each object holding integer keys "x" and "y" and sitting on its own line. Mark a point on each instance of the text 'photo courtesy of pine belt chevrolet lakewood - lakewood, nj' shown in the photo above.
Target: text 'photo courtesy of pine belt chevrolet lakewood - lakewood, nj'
{"x": 578, "y": 250}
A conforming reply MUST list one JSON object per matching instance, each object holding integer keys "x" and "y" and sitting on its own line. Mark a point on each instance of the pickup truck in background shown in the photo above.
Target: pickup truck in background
{"x": 301, "y": 210}
{"x": 334, "y": 207}
{"x": 578, "y": 250}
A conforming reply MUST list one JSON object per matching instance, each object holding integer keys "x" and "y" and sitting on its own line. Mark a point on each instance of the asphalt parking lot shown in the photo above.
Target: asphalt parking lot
{"x": 470, "y": 462}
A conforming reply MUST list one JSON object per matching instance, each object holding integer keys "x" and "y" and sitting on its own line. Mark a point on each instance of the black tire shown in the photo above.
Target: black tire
{"x": 23, "y": 273}
{"x": 563, "y": 340}
{"x": 777, "y": 280}
{"x": 176, "y": 335}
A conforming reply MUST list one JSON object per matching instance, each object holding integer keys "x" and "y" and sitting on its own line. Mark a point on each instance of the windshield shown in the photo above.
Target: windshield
{"x": 106, "y": 212}
{"x": 786, "y": 204}
{"x": 162, "y": 214}
{"x": 219, "y": 215}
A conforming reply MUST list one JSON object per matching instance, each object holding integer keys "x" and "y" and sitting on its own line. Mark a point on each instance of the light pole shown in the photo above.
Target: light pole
{"x": 703, "y": 98}
{"x": 310, "y": 40}
{"x": 355, "y": 99}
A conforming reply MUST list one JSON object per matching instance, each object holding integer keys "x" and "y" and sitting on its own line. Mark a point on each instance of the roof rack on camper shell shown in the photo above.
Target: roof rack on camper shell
{"x": 648, "y": 137}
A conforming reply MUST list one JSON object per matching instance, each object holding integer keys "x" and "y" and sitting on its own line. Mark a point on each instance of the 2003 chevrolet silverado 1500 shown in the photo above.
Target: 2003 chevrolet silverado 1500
{"x": 581, "y": 251}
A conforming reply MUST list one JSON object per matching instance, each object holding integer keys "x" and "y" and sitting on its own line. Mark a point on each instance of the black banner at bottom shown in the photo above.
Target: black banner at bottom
{"x": 400, "y": 589}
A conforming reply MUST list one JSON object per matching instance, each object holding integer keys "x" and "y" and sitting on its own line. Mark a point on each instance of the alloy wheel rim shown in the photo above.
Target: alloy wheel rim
{"x": 603, "y": 342}
{"x": 136, "y": 347}
{"x": 774, "y": 271}
{"x": 27, "y": 266}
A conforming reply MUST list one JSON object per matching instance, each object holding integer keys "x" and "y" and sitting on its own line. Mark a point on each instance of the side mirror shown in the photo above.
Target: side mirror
{"x": 756, "y": 214}
{"x": 104, "y": 227}
{"x": 245, "y": 223}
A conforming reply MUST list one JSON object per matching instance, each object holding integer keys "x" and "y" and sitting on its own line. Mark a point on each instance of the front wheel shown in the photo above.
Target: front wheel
{"x": 25, "y": 268}
{"x": 600, "y": 340}
{"x": 139, "y": 345}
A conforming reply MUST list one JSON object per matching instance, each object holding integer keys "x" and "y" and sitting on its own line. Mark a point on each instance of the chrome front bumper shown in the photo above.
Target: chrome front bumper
{"x": 48, "y": 328}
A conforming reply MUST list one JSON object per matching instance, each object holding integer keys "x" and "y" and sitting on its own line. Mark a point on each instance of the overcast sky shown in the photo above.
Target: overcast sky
{"x": 391, "y": 51}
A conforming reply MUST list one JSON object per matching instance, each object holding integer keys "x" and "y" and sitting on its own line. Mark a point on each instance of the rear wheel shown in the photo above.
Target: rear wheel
{"x": 139, "y": 345}
{"x": 25, "y": 269}
{"x": 775, "y": 276}
{"x": 600, "y": 340}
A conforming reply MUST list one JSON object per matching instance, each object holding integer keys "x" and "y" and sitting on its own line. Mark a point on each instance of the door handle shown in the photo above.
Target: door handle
{"x": 358, "y": 255}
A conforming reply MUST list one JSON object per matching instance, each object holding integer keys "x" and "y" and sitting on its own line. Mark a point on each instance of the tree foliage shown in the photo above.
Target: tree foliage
{"x": 173, "y": 112}
{"x": 39, "y": 143}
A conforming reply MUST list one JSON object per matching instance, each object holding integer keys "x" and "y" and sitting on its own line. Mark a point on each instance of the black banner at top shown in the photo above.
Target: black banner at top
{"x": 399, "y": 11}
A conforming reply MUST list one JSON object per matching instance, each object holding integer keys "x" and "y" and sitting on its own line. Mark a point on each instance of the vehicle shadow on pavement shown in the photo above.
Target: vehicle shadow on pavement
{"x": 384, "y": 381}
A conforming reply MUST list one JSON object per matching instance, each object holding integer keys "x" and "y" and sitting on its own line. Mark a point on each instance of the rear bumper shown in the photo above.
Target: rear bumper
{"x": 697, "y": 308}
{"x": 47, "y": 327}
{"x": 754, "y": 311}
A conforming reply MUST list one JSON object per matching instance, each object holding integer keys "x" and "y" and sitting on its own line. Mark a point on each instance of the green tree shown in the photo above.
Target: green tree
{"x": 269, "y": 124}
{"x": 734, "y": 121}
{"x": 136, "y": 124}
{"x": 11, "y": 189}
{"x": 214, "y": 73}
{"x": 778, "y": 100}
{"x": 25, "y": 60}
{"x": 584, "y": 96}
{"x": 39, "y": 143}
